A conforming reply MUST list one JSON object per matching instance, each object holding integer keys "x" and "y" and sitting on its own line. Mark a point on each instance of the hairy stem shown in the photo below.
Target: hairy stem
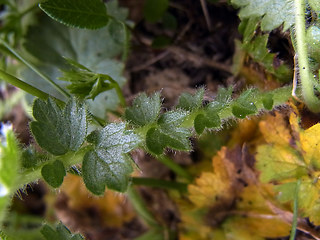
{"x": 307, "y": 80}
{"x": 34, "y": 68}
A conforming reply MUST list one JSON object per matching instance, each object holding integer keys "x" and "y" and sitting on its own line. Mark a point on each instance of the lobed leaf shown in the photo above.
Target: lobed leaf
{"x": 59, "y": 130}
{"x": 168, "y": 133}
{"x": 273, "y": 12}
{"x": 61, "y": 232}
{"x": 84, "y": 83}
{"x": 108, "y": 163}
{"x": 191, "y": 102}
{"x": 209, "y": 117}
{"x": 244, "y": 105}
{"x": 77, "y": 13}
{"x": 145, "y": 110}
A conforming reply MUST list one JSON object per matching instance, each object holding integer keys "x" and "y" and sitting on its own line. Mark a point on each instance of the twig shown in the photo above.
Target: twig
{"x": 199, "y": 60}
{"x": 150, "y": 62}
{"x": 206, "y": 14}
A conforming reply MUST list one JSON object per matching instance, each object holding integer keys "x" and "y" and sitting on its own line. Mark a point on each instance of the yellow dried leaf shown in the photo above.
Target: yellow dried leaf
{"x": 310, "y": 144}
{"x": 212, "y": 188}
{"x": 114, "y": 208}
{"x": 275, "y": 129}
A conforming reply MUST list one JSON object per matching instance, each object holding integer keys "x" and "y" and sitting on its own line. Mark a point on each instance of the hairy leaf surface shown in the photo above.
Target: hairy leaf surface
{"x": 168, "y": 133}
{"x": 59, "y": 130}
{"x": 109, "y": 164}
{"x": 144, "y": 110}
{"x": 191, "y": 102}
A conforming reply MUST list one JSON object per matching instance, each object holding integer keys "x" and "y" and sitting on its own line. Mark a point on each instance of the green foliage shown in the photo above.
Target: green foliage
{"x": 191, "y": 102}
{"x": 9, "y": 166}
{"x": 313, "y": 41}
{"x": 53, "y": 173}
{"x": 85, "y": 83}
{"x": 77, "y": 13}
{"x": 244, "y": 105}
{"x": 108, "y": 163}
{"x": 169, "y": 133}
{"x": 155, "y": 9}
{"x": 61, "y": 233}
{"x": 59, "y": 130}
{"x": 145, "y": 110}
{"x": 273, "y": 12}
{"x": 50, "y": 43}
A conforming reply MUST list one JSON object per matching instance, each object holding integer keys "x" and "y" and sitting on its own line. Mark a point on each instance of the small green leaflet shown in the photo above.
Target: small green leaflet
{"x": 208, "y": 118}
{"x": 9, "y": 165}
{"x": 60, "y": 233}
{"x": 85, "y": 83}
{"x": 145, "y": 110}
{"x": 244, "y": 105}
{"x": 108, "y": 163}
{"x": 77, "y": 13}
{"x": 59, "y": 130}
{"x": 54, "y": 173}
{"x": 273, "y": 12}
{"x": 168, "y": 133}
{"x": 190, "y": 102}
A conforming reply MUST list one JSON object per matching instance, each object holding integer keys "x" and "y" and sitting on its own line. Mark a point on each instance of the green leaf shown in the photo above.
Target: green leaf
{"x": 278, "y": 162}
{"x": 109, "y": 163}
{"x": 54, "y": 173}
{"x": 209, "y": 119}
{"x": 168, "y": 133}
{"x": 48, "y": 41}
{"x": 85, "y": 83}
{"x": 257, "y": 49}
{"x": 155, "y": 9}
{"x": 61, "y": 232}
{"x": 273, "y": 12}
{"x": 59, "y": 130}
{"x": 145, "y": 110}
{"x": 9, "y": 166}
{"x": 77, "y": 13}
{"x": 313, "y": 42}
{"x": 244, "y": 105}
{"x": 191, "y": 102}
{"x": 31, "y": 158}
{"x": 267, "y": 101}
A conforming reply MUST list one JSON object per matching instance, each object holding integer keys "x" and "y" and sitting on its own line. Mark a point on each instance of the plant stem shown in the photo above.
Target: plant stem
{"x": 159, "y": 183}
{"x": 307, "y": 80}
{"x": 295, "y": 211}
{"x": 34, "y": 68}
{"x": 140, "y": 206}
{"x": 34, "y": 174}
{"x": 174, "y": 167}
{"x": 24, "y": 86}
